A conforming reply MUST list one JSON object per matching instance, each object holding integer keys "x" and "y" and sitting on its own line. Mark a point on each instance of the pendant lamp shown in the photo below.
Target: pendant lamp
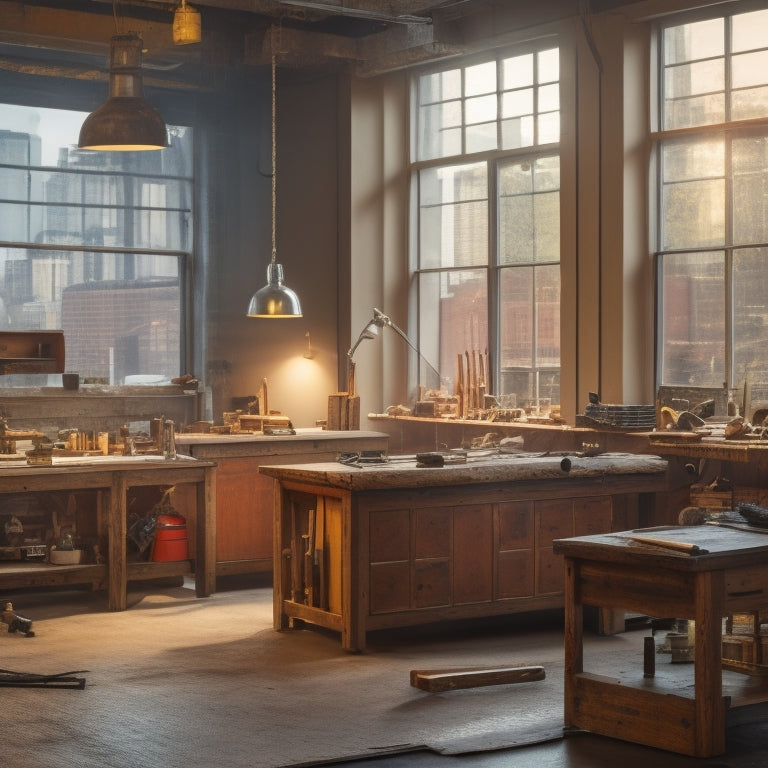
{"x": 275, "y": 299}
{"x": 186, "y": 25}
{"x": 125, "y": 122}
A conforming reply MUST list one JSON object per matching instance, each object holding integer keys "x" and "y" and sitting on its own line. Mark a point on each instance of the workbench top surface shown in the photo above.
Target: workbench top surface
{"x": 715, "y": 544}
{"x": 402, "y": 472}
{"x": 302, "y": 435}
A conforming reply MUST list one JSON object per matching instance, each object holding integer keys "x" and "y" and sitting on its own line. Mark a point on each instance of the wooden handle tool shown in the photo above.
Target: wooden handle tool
{"x": 680, "y": 546}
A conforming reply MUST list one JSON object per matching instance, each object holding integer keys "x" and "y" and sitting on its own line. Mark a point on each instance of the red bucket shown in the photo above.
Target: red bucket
{"x": 171, "y": 543}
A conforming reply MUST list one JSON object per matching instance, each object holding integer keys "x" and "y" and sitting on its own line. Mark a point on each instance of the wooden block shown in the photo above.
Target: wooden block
{"x": 353, "y": 412}
{"x": 336, "y": 410}
{"x": 436, "y": 680}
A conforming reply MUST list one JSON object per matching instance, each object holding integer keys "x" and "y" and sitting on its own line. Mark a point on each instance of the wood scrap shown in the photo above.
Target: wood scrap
{"x": 438, "y": 680}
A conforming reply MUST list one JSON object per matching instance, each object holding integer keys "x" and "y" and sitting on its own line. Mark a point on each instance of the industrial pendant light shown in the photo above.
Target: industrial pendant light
{"x": 186, "y": 25}
{"x": 275, "y": 299}
{"x": 125, "y": 122}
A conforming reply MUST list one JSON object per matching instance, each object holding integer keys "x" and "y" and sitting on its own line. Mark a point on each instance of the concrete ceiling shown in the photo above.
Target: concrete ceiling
{"x": 71, "y": 37}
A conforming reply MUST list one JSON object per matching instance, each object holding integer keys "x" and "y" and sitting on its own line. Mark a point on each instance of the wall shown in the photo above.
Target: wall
{"x": 242, "y": 351}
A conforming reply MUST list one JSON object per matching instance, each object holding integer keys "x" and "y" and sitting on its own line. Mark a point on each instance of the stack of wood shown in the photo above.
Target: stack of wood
{"x": 471, "y": 386}
{"x": 344, "y": 407}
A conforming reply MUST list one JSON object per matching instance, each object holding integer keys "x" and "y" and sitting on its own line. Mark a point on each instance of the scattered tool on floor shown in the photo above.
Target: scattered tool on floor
{"x": 9, "y": 679}
{"x": 16, "y": 622}
{"x": 437, "y": 680}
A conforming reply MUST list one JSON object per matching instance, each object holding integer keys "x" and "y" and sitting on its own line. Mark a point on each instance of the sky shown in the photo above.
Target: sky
{"x": 57, "y": 127}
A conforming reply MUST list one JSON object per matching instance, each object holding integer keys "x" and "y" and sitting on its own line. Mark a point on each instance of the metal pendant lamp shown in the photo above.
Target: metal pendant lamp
{"x": 125, "y": 122}
{"x": 275, "y": 299}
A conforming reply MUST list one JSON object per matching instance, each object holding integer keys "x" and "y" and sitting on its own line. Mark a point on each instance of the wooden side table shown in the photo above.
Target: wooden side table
{"x": 614, "y": 571}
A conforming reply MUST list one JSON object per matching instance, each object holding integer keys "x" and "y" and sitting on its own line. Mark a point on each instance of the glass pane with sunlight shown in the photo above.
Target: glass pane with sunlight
{"x": 459, "y": 300}
{"x": 693, "y": 319}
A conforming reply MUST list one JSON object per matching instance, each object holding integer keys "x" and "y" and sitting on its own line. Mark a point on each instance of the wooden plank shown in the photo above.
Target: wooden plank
{"x": 434, "y": 680}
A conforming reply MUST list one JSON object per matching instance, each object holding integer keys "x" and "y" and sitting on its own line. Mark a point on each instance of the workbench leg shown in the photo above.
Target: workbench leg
{"x": 205, "y": 556}
{"x": 117, "y": 530}
{"x": 574, "y": 639}
{"x": 710, "y": 707}
{"x": 281, "y": 554}
{"x": 354, "y": 593}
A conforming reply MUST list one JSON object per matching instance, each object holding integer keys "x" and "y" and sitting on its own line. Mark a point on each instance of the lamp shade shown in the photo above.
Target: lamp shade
{"x": 125, "y": 122}
{"x": 275, "y": 299}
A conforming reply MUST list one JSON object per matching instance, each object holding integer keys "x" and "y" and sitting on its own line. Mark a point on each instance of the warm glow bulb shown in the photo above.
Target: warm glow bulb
{"x": 186, "y": 25}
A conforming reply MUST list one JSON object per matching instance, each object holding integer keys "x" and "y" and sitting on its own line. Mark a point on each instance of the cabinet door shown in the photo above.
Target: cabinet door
{"x": 390, "y": 548}
{"x": 592, "y": 516}
{"x": 431, "y": 557}
{"x": 473, "y": 554}
{"x": 554, "y": 520}
{"x": 244, "y": 504}
{"x": 515, "y": 552}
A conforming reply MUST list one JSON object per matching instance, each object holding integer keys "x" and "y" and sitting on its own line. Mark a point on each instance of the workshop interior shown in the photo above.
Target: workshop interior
{"x": 405, "y": 361}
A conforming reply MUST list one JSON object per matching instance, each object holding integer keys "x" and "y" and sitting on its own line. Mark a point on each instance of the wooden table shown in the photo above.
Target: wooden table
{"x": 375, "y": 547}
{"x": 112, "y": 476}
{"x": 616, "y": 572}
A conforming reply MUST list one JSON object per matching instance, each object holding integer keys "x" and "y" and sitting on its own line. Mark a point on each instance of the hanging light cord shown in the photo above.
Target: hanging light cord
{"x": 274, "y": 150}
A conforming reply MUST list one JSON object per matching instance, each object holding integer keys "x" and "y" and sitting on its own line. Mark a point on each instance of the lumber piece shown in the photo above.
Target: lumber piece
{"x": 437, "y": 680}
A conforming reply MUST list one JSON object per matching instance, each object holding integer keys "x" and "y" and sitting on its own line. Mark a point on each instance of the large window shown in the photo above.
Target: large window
{"x": 486, "y": 272}
{"x": 712, "y": 160}
{"x": 94, "y": 244}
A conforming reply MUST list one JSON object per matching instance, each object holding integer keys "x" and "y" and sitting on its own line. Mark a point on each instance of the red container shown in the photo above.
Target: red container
{"x": 171, "y": 543}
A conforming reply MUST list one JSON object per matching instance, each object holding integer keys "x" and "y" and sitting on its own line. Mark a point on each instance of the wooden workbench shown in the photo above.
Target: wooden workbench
{"x": 375, "y": 547}
{"x": 612, "y": 570}
{"x": 110, "y": 478}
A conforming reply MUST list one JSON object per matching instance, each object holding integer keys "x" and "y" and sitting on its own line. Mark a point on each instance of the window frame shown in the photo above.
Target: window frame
{"x": 730, "y": 131}
{"x": 51, "y": 92}
{"x": 493, "y": 159}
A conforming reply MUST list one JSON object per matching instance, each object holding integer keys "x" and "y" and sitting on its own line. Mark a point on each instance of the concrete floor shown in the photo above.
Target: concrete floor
{"x": 746, "y": 749}
{"x": 270, "y": 700}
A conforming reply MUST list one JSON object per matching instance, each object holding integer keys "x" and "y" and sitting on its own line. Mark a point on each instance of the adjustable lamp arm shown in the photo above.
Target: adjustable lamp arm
{"x": 379, "y": 321}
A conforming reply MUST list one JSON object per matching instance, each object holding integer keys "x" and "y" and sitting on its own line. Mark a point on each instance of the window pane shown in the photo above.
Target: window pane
{"x": 549, "y": 65}
{"x": 750, "y": 190}
{"x": 750, "y": 306}
{"x": 693, "y": 321}
{"x": 748, "y": 31}
{"x": 529, "y": 334}
{"x": 120, "y": 313}
{"x": 693, "y": 193}
{"x": 693, "y": 94}
{"x": 694, "y": 74}
{"x": 440, "y": 86}
{"x": 480, "y": 79}
{"x": 481, "y": 109}
{"x": 517, "y": 103}
{"x": 459, "y": 300}
{"x": 689, "y": 42}
{"x": 453, "y": 216}
{"x": 517, "y": 71}
{"x": 549, "y": 98}
{"x": 516, "y": 133}
{"x": 529, "y": 211}
{"x": 751, "y": 102}
{"x": 549, "y": 128}
{"x": 481, "y": 138}
{"x": 440, "y": 130}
